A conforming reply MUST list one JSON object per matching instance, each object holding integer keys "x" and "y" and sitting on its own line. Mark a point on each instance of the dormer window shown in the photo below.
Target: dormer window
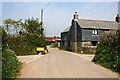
{"x": 95, "y": 32}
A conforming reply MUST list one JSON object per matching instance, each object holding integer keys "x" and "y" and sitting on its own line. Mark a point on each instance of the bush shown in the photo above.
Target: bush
{"x": 54, "y": 45}
{"x": 10, "y": 63}
{"x": 49, "y": 42}
{"x": 25, "y": 44}
{"x": 25, "y": 40}
{"x": 107, "y": 50}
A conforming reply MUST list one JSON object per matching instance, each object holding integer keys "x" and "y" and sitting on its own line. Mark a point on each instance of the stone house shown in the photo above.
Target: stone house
{"x": 84, "y": 30}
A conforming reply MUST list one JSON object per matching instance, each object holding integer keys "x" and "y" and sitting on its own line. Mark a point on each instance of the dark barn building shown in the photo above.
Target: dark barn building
{"x": 84, "y": 30}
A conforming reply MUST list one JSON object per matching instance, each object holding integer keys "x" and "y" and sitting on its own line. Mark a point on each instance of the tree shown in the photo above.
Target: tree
{"x": 7, "y": 23}
{"x": 13, "y": 26}
{"x": 27, "y": 38}
{"x": 33, "y": 25}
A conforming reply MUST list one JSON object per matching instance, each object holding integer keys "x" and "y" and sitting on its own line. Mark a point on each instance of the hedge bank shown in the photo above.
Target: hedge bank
{"x": 10, "y": 63}
{"x": 108, "y": 50}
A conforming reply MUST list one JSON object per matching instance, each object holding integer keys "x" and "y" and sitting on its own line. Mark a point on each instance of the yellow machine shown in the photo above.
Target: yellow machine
{"x": 41, "y": 50}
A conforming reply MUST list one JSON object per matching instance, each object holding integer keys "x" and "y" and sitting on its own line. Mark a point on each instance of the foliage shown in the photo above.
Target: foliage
{"x": 54, "y": 45}
{"x": 10, "y": 63}
{"x": 25, "y": 42}
{"x": 49, "y": 42}
{"x": 33, "y": 25}
{"x": 13, "y": 26}
{"x": 4, "y": 38}
{"x": 107, "y": 50}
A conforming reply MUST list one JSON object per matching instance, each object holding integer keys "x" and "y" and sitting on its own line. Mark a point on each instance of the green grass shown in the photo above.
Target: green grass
{"x": 86, "y": 52}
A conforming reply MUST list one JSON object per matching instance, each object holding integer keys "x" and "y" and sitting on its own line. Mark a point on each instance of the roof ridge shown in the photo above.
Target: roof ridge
{"x": 96, "y": 20}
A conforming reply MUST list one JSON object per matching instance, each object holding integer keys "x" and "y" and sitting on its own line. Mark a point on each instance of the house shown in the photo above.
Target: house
{"x": 53, "y": 39}
{"x": 84, "y": 30}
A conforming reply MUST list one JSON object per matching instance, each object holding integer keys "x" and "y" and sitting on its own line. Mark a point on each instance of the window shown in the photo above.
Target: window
{"x": 95, "y": 32}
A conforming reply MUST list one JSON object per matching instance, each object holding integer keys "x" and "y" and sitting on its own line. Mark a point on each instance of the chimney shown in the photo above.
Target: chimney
{"x": 117, "y": 19}
{"x": 75, "y": 16}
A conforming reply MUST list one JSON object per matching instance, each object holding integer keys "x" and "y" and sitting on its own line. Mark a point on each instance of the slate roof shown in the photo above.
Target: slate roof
{"x": 67, "y": 29}
{"x": 97, "y": 24}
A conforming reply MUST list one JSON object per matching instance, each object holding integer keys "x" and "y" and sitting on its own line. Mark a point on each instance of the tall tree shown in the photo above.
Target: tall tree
{"x": 33, "y": 26}
{"x": 13, "y": 25}
{"x": 7, "y": 23}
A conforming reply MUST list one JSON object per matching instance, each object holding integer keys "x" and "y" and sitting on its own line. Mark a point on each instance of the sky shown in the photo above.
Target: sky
{"x": 58, "y": 15}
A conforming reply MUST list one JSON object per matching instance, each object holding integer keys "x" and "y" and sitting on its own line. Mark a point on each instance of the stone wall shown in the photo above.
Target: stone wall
{"x": 79, "y": 46}
{"x": 89, "y": 49}
{"x": 76, "y": 46}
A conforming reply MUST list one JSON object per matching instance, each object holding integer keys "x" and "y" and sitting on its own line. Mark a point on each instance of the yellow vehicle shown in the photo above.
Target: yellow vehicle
{"x": 42, "y": 49}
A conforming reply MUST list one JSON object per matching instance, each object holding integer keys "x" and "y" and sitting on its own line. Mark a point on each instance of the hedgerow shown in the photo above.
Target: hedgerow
{"x": 25, "y": 40}
{"x": 19, "y": 42}
{"x": 54, "y": 45}
{"x": 107, "y": 51}
{"x": 25, "y": 44}
{"x": 10, "y": 63}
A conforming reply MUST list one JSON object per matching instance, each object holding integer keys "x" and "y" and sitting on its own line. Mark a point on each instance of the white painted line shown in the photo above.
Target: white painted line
{"x": 29, "y": 59}
{"x": 33, "y": 59}
{"x": 82, "y": 56}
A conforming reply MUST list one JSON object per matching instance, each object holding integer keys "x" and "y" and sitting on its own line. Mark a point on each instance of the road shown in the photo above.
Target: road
{"x": 62, "y": 64}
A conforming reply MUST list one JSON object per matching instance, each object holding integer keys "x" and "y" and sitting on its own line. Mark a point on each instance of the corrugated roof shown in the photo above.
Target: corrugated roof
{"x": 97, "y": 24}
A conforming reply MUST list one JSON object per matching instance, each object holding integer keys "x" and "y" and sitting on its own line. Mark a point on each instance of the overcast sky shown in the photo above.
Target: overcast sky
{"x": 58, "y": 15}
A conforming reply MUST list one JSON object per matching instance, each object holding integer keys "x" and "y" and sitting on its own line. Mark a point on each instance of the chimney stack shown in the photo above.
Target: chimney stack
{"x": 75, "y": 16}
{"x": 117, "y": 19}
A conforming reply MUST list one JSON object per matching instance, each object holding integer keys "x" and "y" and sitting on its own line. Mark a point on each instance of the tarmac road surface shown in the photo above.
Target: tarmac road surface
{"x": 62, "y": 64}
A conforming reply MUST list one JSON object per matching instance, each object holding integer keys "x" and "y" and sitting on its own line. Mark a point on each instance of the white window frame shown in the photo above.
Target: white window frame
{"x": 95, "y": 32}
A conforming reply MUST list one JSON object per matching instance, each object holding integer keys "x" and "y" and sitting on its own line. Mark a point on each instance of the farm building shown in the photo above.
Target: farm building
{"x": 85, "y": 31}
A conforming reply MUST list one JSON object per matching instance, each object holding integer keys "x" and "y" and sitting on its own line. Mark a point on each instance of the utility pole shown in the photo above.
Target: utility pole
{"x": 42, "y": 29}
{"x": 42, "y": 17}
{"x": 41, "y": 26}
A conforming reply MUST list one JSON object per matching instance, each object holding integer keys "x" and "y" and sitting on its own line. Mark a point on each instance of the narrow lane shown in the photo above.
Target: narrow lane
{"x": 63, "y": 64}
